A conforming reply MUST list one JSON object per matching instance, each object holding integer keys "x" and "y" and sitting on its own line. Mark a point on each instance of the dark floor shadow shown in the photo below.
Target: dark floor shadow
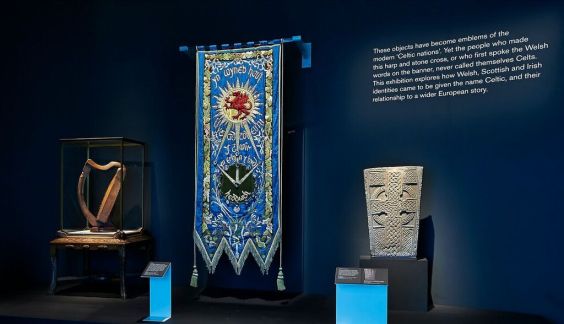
{"x": 426, "y": 249}
{"x": 102, "y": 288}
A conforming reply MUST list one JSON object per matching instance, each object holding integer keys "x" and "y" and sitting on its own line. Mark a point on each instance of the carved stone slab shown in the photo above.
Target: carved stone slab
{"x": 393, "y": 195}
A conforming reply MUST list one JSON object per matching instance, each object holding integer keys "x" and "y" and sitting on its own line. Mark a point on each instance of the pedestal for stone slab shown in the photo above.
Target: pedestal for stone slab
{"x": 408, "y": 281}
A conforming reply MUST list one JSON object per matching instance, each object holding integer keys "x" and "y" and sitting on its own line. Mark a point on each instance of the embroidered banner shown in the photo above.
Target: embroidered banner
{"x": 238, "y": 155}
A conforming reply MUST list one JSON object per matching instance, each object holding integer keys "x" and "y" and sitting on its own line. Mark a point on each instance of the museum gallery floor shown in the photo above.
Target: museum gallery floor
{"x": 38, "y": 307}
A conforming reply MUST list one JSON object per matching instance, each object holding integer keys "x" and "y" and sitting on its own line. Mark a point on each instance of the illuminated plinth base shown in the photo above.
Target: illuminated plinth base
{"x": 160, "y": 296}
{"x": 362, "y": 296}
{"x": 359, "y": 303}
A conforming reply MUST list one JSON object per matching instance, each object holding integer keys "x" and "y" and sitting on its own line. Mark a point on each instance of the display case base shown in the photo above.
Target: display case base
{"x": 119, "y": 234}
{"x": 408, "y": 281}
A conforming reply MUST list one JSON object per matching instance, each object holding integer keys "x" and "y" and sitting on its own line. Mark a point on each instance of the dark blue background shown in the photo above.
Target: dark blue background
{"x": 493, "y": 164}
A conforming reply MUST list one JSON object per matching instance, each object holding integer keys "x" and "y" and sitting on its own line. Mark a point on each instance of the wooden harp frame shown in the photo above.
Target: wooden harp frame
{"x": 100, "y": 222}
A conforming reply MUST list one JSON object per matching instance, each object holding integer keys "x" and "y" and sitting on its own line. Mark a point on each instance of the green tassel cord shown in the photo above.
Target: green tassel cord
{"x": 194, "y": 280}
{"x": 280, "y": 280}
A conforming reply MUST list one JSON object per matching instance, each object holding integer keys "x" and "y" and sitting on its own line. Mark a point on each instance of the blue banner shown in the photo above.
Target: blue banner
{"x": 238, "y": 155}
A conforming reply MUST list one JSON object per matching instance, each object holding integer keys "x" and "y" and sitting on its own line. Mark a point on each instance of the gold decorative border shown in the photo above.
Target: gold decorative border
{"x": 268, "y": 141}
{"x": 233, "y": 56}
{"x": 268, "y": 131}
{"x": 206, "y": 106}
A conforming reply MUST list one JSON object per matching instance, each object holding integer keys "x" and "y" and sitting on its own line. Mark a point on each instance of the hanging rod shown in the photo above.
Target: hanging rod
{"x": 305, "y": 48}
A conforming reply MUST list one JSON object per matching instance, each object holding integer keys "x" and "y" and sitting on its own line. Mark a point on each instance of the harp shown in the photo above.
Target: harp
{"x": 101, "y": 222}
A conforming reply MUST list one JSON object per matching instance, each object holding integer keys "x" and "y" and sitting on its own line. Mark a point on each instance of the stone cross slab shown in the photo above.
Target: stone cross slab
{"x": 392, "y": 198}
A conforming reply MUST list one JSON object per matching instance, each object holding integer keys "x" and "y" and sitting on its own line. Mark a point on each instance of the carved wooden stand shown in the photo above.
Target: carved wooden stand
{"x": 88, "y": 244}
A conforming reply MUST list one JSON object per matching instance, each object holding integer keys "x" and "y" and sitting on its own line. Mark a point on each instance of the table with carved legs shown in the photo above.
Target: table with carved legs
{"x": 88, "y": 244}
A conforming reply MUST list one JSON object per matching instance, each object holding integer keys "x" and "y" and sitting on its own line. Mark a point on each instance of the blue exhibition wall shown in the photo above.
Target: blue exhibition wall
{"x": 493, "y": 163}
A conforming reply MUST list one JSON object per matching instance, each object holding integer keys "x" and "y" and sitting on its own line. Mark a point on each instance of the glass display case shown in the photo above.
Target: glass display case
{"x": 102, "y": 187}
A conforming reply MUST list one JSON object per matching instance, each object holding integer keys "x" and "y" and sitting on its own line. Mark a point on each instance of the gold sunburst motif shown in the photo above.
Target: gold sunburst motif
{"x": 236, "y": 106}
{"x": 237, "y": 103}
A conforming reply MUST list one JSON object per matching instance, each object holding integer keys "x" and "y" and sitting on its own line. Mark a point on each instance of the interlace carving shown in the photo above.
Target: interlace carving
{"x": 392, "y": 198}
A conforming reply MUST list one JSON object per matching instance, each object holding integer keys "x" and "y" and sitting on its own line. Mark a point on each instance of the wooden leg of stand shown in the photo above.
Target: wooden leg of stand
{"x": 53, "y": 285}
{"x": 122, "y": 271}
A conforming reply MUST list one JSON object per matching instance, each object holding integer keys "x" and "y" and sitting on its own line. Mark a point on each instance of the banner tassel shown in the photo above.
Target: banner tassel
{"x": 280, "y": 280}
{"x": 194, "y": 280}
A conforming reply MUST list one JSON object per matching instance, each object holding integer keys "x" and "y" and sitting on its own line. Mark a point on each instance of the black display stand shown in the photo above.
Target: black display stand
{"x": 408, "y": 282}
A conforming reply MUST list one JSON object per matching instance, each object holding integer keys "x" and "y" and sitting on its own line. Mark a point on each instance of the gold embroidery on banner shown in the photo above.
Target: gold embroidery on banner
{"x": 268, "y": 93}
